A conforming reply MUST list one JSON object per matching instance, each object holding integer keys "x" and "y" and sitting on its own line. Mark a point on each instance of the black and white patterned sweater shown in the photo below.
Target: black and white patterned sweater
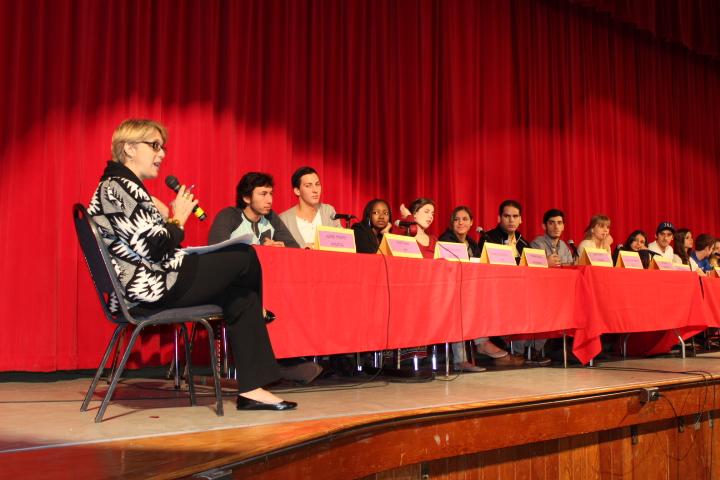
{"x": 143, "y": 247}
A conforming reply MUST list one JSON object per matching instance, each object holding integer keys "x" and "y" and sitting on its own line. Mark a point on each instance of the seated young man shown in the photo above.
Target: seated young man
{"x": 557, "y": 251}
{"x": 303, "y": 219}
{"x": 252, "y": 215}
{"x": 506, "y": 232}
{"x": 704, "y": 245}
{"x": 663, "y": 237}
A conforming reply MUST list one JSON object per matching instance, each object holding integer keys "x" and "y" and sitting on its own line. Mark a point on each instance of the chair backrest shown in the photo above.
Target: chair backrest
{"x": 100, "y": 265}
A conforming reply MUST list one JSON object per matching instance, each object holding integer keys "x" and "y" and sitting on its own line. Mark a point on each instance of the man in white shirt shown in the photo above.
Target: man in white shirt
{"x": 663, "y": 237}
{"x": 303, "y": 219}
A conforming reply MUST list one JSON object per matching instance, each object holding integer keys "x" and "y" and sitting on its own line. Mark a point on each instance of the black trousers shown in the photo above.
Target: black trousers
{"x": 232, "y": 278}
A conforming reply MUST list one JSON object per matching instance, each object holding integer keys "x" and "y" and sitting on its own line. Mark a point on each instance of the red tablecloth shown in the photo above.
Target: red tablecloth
{"x": 337, "y": 302}
{"x": 612, "y": 300}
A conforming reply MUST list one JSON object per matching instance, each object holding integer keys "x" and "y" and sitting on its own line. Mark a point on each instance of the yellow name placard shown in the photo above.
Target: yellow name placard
{"x": 681, "y": 267}
{"x": 334, "y": 239}
{"x": 661, "y": 263}
{"x": 453, "y": 251}
{"x": 496, "y": 254}
{"x": 399, "y": 246}
{"x": 597, "y": 257}
{"x": 715, "y": 272}
{"x": 627, "y": 259}
{"x": 534, "y": 257}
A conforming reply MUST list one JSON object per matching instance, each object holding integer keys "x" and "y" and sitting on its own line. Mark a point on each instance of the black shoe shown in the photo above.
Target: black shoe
{"x": 244, "y": 403}
{"x": 269, "y": 316}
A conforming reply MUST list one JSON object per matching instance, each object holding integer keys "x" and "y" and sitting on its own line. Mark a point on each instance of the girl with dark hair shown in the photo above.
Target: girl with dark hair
{"x": 684, "y": 247}
{"x": 422, "y": 212}
{"x": 376, "y": 221}
{"x": 637, "y": 241}
{"x": 461, "y": 221}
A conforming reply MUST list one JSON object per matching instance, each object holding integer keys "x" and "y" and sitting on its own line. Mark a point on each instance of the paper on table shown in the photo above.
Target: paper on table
{"x": 246, "y": 239}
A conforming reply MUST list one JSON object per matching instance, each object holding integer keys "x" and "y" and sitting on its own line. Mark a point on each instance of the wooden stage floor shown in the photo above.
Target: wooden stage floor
{"x": 150, "y": 431}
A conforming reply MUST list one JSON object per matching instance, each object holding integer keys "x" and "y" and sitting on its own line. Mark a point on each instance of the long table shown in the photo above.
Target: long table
{"x": 330, "y": 303}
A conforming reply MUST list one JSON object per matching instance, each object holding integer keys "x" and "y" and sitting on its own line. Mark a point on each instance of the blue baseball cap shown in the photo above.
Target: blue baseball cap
{"x": 665, "y": 226}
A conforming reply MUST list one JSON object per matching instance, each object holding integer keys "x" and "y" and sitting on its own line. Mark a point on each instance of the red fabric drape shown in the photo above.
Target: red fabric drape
{"x": 465, "y": 102}
{"x": 694, "y": 24}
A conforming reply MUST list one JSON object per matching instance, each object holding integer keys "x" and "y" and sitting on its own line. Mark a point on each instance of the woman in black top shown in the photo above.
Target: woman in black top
{"x": 376, "y": 221}
{"x": 461, "y": 222}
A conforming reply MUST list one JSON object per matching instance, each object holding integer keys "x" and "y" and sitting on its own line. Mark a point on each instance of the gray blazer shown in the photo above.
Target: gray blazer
{"x": 327, "y": 212}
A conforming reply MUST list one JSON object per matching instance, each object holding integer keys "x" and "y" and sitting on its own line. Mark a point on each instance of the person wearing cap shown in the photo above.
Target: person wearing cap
{"x": 663, "y": 236}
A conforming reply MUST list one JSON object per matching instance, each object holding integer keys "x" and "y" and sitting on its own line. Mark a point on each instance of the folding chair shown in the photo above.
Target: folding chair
{"x": 108, "y": 289}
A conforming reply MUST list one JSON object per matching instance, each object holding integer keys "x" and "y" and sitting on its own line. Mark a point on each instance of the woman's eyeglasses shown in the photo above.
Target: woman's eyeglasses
{"x": 156, "y": 146}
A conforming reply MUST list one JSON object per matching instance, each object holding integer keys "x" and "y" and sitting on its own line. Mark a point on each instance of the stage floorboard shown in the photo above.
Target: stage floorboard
{"x": 150, "y": 430}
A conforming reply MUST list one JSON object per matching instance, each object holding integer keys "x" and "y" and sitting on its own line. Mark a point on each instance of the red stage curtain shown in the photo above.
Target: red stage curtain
{"x": 692, "y": 23}
{"x": 466, "y": 102}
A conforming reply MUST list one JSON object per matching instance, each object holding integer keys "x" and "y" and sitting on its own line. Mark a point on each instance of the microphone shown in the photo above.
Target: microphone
{"x": 174, "y": 184}
{"x": 343, "y": 216}
{"x": 404, "y": 224}
{"x": 571, "y": 244}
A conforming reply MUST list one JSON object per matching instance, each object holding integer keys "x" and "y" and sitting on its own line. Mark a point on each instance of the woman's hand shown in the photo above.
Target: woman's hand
{"x": 607, "y": 241}
{"x": 162, "y": 208}
{"x": 387, "y": 228}
{"x": 404, "y": 211}
{"x": 183, "y": 205}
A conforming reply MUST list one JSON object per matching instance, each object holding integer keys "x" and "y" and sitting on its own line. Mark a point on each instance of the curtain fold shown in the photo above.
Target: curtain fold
{"x": 467, "y": 102}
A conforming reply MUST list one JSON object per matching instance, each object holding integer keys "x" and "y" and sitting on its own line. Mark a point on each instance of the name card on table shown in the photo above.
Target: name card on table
{"x": 715, "y": 272}
{"x": 534, "y": 257}
{"x": 597, "y": 257}
{"x": 453, "y": 251}
{"x": 334, "y": 239}
{"x": 681, "y": 267}
{"x": 659, "y": 262}
{"x": 399, "y": 246}
{"x": 496, "y": 254}
{"x": 627, "y": 259}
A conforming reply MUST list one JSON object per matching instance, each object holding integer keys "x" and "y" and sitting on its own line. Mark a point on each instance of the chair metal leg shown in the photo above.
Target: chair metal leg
{"x": 192, "y": 342}
{"x": 226, "y": 356}
{"x": 447, "y": 359}
{"x": 682, "y": 343}
{"x": 358, "y": 363}
{"x": 118, "y": 373}
{"x": 624, "y": 346}
{"x": 118, "y": 347}
{"x": 176, "y": 358}
{"x": 398, "y": 359}
{"x": 565, "y": 363}
{"x": 434, "y": 358}
{"x": 188, "y": 365}
{"x": 214, "y": 367}
{"x": 98, "y": 374}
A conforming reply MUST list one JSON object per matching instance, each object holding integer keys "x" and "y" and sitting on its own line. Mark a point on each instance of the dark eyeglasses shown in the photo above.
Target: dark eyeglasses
{"x": 156, "y": 146}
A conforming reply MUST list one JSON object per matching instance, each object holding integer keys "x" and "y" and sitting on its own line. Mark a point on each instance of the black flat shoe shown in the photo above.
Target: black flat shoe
{"x": 249, "y": 404}
{"x": 269, "y": 316}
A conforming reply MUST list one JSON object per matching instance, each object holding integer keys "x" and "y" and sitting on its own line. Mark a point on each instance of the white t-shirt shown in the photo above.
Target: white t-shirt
{"x": 668, "y": 253}
{"x": 307, "y": 229}
{"x": 693, "y": 264}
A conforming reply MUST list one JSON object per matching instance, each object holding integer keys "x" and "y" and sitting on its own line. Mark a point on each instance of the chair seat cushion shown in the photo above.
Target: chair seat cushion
{"x": 181, "y": 314}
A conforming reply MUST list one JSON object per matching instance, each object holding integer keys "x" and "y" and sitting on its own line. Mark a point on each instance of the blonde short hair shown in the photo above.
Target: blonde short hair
{"x": 132, "y": 131}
